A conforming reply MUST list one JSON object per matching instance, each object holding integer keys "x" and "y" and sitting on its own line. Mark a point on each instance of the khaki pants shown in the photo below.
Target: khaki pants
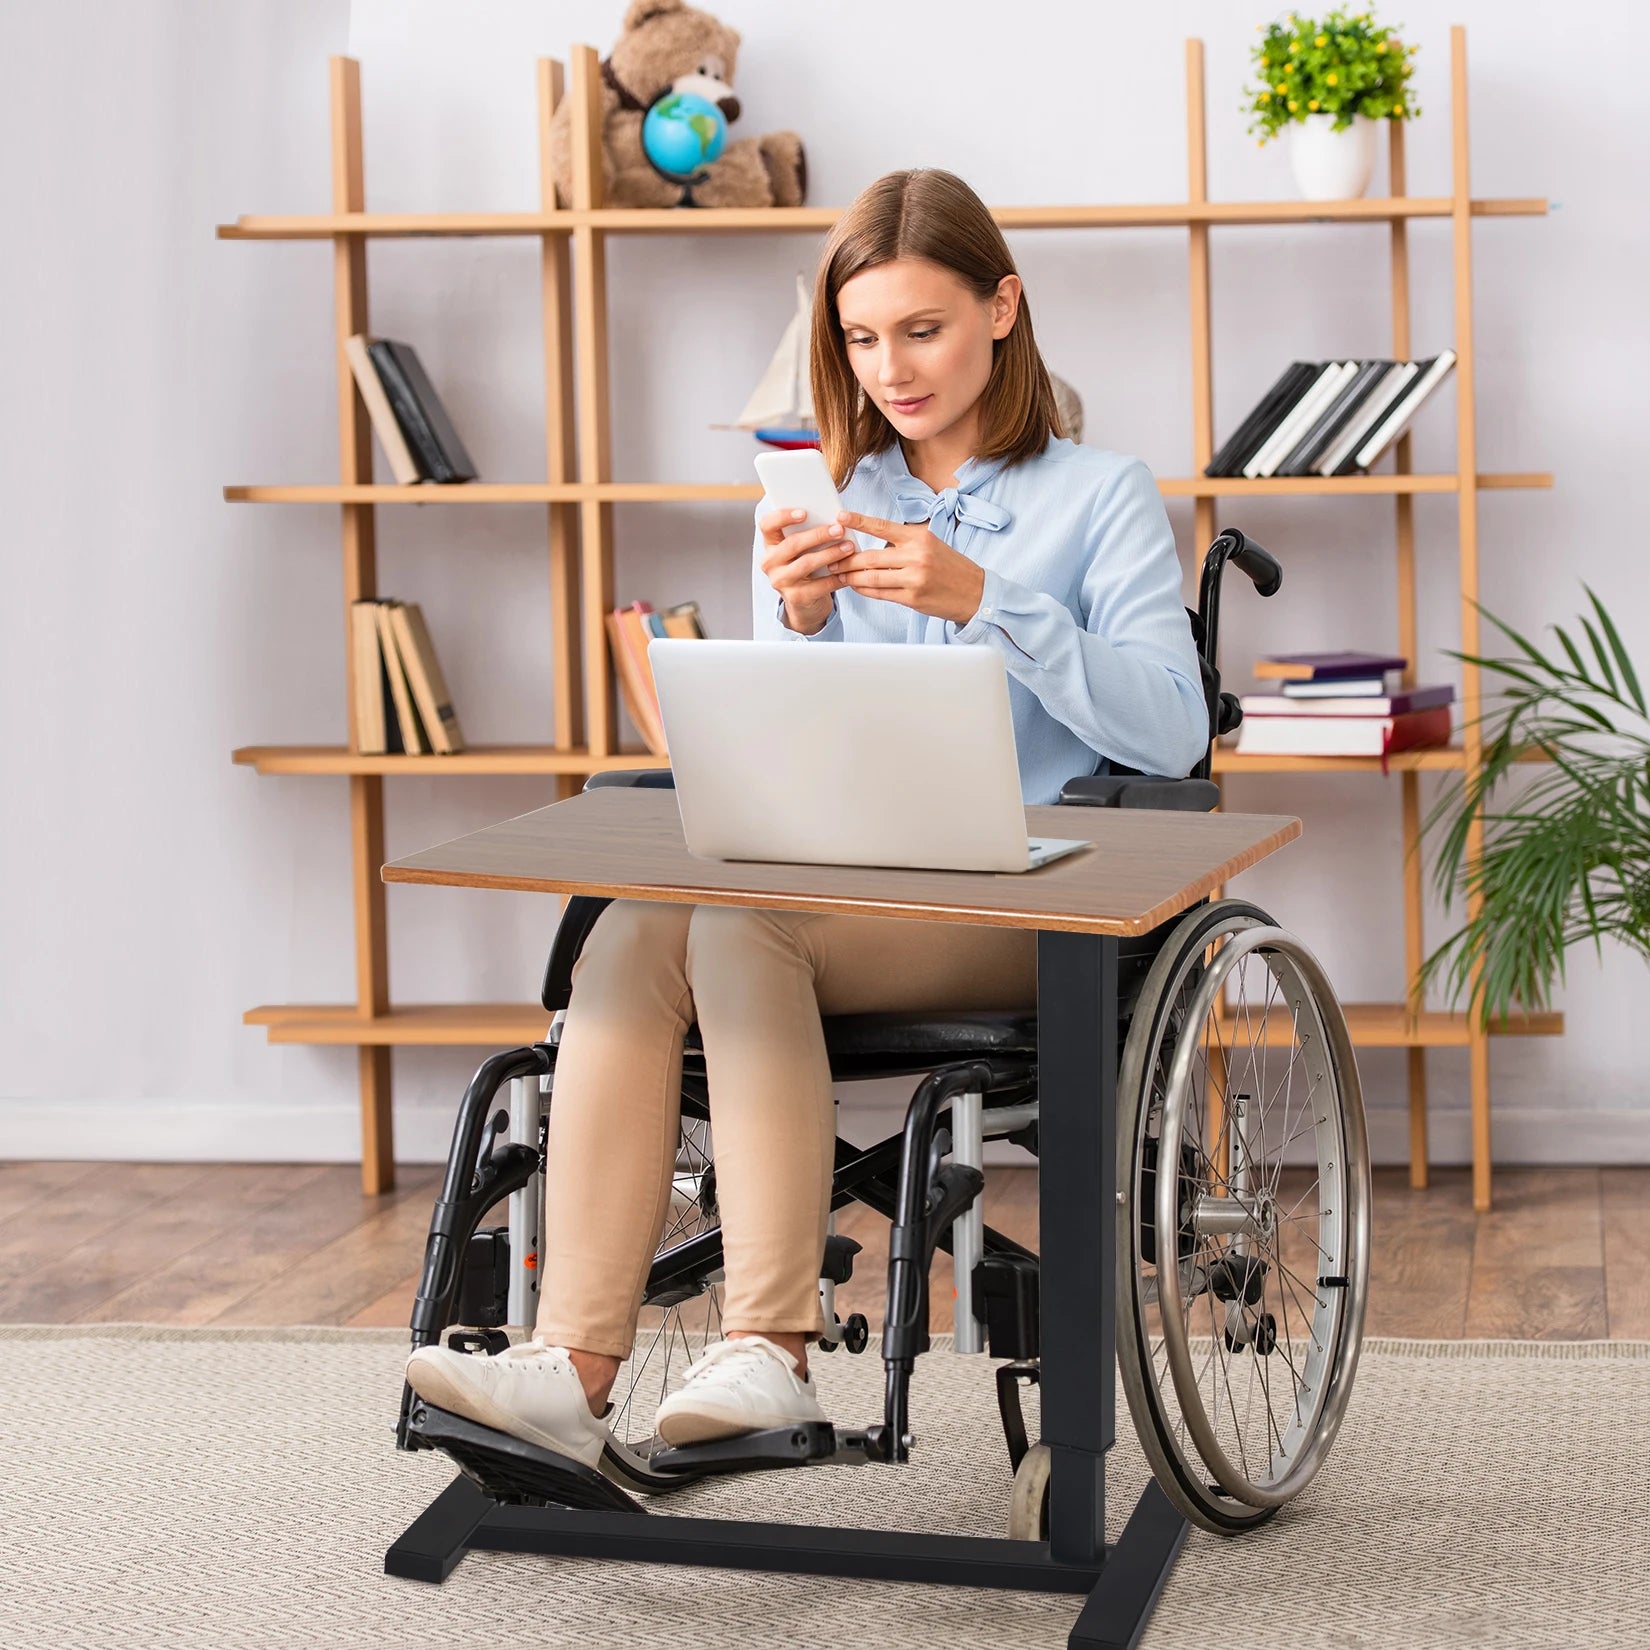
{"x": 757, "y": 983}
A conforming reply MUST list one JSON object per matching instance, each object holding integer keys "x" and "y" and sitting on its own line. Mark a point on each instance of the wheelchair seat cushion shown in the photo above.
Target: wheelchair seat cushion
{"x": 886, "y": 1044}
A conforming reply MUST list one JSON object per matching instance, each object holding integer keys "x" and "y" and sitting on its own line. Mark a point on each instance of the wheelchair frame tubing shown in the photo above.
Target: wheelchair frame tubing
{"x": 1077, "y": 1085}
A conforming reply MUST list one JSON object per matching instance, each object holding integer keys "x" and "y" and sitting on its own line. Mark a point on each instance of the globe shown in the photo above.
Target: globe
{"x": 681, "y": 133}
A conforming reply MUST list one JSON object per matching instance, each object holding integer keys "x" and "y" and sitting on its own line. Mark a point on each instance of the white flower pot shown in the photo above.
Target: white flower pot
{"x": 1331, "y": 165}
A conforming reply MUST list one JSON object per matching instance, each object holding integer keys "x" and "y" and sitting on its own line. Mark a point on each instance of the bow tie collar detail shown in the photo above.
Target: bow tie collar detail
{"x": 916, "y": 501}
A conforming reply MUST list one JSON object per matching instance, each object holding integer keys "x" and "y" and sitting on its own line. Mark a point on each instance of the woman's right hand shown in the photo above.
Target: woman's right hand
{"x": 790, "y": 561}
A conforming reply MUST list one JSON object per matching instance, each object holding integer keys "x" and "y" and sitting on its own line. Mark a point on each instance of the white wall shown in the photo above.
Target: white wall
{"x": 152, "y": 891}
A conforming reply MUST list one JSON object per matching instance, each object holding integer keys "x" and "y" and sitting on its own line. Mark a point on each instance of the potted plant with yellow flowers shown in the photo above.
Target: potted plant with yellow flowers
{"x": 1329, "y": 82}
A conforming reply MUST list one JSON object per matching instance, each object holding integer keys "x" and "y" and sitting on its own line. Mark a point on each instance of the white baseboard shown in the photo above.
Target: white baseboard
{"x": 185, "y": 1132}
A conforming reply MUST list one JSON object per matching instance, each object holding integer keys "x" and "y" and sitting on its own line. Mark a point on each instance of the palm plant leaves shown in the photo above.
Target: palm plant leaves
{"x": 1569, "y": 858}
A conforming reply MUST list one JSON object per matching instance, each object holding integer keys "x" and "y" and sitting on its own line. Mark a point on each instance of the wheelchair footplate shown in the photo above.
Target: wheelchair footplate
{"x": 515, "y": 1472}
{"x": 511, "y": 1470}
{"x": 796, "y": 1446}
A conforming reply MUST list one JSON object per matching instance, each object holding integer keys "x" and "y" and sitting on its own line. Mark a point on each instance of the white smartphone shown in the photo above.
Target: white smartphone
{"x": 800, "y": 479}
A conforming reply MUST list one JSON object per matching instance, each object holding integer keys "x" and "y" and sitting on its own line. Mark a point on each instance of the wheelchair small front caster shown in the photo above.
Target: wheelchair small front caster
{"x": 855, "y": 1334}
{"x": 1028, "y": 1500}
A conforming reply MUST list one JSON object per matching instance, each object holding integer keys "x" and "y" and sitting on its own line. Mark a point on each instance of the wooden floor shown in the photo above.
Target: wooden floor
{"x": 1561, "y": 1257}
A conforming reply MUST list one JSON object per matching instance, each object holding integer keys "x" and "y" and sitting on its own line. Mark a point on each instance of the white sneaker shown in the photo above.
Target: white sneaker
{"x": 529, "y": 1390}
{"x": 737, "y": 1386}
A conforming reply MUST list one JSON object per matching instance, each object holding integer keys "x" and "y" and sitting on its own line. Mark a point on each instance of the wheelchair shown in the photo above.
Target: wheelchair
{"x": 1242, "y": 1222}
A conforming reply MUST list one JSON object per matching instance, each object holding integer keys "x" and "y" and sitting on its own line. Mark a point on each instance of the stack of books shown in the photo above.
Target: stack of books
{"x": 629, "y": 630}
{"x": 1340, "y": 704}
{"x": 412, "y": 426}
{"x": 401, "y": 702}
{"x": 1329, "y": 418}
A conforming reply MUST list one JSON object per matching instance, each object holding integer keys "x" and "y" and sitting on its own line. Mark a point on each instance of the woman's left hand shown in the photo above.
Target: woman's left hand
{"x": 917, "y": 569}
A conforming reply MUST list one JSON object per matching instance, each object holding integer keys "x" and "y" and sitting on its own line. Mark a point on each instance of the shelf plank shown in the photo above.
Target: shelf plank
{"x": 478, "y": 759}
{"x": 1442, "y": 757}
{"x": 1373, "y": 1025}
{"x": 1434, "y": 758}
{"x": 547, "y": 759}
{"x": 468, "y": 1025}
{"x": 688, "y": 492}
{"x": 1389, "y": 1025}
{"x": 819, "y": 219}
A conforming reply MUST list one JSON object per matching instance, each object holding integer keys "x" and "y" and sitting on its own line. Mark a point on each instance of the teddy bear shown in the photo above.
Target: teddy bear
{"x": 663, "y": 46}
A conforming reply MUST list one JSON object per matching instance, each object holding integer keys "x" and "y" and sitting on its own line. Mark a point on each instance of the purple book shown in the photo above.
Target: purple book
{"x": 1326, "y": 667}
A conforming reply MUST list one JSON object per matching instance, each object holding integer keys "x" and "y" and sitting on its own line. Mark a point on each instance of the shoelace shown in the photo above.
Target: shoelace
{"x": 536, "y": 1353}
{"x": 746, "y": 1356}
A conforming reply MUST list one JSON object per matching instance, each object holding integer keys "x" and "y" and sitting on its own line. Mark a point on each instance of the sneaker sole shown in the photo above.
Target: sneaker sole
{"x": 436, "y": 1386}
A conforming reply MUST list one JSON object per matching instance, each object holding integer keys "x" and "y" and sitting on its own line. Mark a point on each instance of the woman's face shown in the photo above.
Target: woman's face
{"x": 920, "y": 342}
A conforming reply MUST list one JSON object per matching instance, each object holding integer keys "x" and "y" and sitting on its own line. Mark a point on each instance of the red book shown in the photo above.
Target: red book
{"x": 1343, "y": 735}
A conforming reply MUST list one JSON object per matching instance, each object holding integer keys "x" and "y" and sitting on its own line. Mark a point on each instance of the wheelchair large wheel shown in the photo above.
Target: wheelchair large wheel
{"x": 1243, "y": 1229}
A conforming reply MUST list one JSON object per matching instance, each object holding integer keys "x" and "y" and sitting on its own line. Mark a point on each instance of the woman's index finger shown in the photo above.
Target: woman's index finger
{"x": 871, "y": 524}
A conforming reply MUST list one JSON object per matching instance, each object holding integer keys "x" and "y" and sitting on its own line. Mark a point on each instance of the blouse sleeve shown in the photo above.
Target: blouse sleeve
{"x": 1126, "y": 679}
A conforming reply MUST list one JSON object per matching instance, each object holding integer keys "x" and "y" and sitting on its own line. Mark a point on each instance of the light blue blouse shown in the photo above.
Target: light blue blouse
{"x": 1082, "y": 599}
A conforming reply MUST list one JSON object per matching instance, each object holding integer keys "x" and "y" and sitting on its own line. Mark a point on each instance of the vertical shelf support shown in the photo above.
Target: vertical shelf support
{"x": 560, "y": 423}
{"x": 366, "y": 791}
{"x": 1409, "y": 647}
{"x": 595, "y": 459}
{"x": 1466, "y": 458}
{"x": 1203, "y": 436}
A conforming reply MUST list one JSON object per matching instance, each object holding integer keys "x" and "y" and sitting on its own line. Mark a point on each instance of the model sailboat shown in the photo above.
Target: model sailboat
{"x": 780, "y": 411}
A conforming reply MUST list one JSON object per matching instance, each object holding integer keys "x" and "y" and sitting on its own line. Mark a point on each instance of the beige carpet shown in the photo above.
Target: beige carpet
{"x": 237, "y": 1488}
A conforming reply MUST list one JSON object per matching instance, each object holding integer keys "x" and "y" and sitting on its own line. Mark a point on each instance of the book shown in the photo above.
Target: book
{"x": 1337, "y": 456}
{"x": 1362, "y": 687}
{"x": 684, "y": 620}
{"x": 403, "y": 465}
{"x": 1429, "y": 376}
{"x": 1333, "y": 418}
{"x": 1401, "y": 703}
{"x": 1261, "y": 419}
{"x": 630, "y": 637}
{"x": 418, "y": 410}
{"x": 1305, "y": 411}
{"x": 414, "y": 741}
{"x": 429, "y": 686}
{"x": 1320, "y": 667}
{"x": 373, "y": 710}
{"x": 1343, "y": 735}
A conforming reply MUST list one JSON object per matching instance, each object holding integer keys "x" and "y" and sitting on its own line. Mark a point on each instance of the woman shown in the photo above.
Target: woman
{"x": 937, "y": 418}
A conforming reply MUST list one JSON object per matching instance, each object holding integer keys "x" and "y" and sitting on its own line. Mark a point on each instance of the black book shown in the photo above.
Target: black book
{"x": 1264, "y": 418}
{"x": 419, "y": 412}
{"x": 1306, "y": 452}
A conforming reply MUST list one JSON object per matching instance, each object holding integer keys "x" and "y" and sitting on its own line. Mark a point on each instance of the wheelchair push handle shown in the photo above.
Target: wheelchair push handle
{"x": 1248, "y": 557}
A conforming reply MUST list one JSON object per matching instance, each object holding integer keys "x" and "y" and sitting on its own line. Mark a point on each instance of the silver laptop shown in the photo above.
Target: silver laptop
{"x": 847, "y": 753}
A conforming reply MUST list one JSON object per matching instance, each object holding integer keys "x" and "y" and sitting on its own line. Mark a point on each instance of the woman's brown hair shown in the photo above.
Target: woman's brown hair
{"x": 924, "y": 212}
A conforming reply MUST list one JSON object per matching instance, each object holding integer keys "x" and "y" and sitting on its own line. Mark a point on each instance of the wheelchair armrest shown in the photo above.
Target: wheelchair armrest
{"x": 1111, "y": 790}
{"x": 581, "y": 911}
{"x": 660, "y": 779}
{"x": 577, "y": 919}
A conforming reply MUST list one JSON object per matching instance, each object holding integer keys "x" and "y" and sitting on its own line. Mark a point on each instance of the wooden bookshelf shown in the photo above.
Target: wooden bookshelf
{"x": 701, "y": 492}
{"x": 578, "y": 494}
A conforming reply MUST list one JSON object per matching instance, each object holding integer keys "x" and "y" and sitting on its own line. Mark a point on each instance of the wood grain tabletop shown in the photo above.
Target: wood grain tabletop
{"x": 1143, "y": 867}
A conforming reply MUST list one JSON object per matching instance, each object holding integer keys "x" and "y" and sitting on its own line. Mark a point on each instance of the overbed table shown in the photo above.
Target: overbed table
{"x": 1143, "y": 868}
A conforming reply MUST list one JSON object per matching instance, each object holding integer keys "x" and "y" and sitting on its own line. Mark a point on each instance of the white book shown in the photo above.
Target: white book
{"x": 1380, "y": 399}
{"x": 1317, "y": 736}
{"x": 1390, "y": 427}
{"x": 402, "y": 464}
{"x": 1294, "y": 423}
